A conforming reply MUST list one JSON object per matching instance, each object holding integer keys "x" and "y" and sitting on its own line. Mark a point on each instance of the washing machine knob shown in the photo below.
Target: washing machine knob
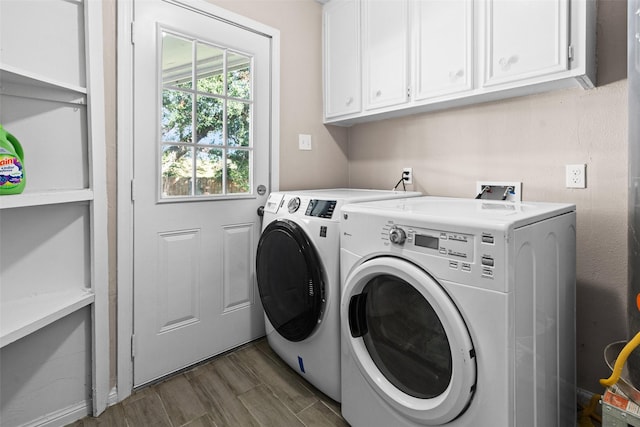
{"x": 397, "y": 235}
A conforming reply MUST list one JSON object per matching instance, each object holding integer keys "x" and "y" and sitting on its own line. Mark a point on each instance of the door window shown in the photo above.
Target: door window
{"x": 206, "y": 119}
{"x": 405, "y": 338}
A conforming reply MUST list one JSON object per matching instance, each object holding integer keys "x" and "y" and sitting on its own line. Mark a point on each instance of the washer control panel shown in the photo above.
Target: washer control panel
{"x": 455, "y": 246}
{"x": 321, "y": 208}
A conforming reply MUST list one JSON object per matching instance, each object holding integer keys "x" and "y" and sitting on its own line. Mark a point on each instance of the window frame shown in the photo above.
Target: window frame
{"x": 194, "y": 92}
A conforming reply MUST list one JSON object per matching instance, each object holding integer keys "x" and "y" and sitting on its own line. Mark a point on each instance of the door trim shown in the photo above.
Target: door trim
{"x": 126, "y": 190}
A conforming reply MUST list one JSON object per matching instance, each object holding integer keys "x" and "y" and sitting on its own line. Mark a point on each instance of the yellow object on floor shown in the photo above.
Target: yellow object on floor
{"x": 589, "y": 413}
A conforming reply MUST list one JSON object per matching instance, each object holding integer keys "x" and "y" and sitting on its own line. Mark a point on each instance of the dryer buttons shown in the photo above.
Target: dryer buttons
{"x": 488, "y": 239}
{"x": 488, "y": 261}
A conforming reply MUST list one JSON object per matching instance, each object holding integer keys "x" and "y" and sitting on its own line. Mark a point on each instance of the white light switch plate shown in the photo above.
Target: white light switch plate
{"x": 304, "y": 142}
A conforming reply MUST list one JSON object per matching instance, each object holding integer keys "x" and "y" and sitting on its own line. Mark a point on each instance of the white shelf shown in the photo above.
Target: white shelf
{"x": 16, "y": 75}
{"x": 19, "y": 318}
{"x": 44, "y": 198}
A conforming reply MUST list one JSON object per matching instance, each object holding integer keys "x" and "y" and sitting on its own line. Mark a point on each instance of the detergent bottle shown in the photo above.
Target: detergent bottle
{"x": 12, "y": 176}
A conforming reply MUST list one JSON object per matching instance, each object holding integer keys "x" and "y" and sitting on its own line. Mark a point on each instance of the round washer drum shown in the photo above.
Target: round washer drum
{"x": 290, "y": 280}
{"x": 409, "y": 340}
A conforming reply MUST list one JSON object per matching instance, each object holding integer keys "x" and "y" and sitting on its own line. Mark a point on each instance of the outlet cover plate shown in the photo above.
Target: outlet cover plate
{"x": 576, "y": 176}
{"x": 407, "y": 172}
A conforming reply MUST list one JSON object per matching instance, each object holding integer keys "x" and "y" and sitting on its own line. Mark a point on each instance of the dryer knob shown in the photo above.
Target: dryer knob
{"x": 397, "y": 235}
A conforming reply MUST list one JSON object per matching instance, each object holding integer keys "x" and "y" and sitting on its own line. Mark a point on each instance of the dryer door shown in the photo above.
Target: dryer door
{"x": 409, "y": 340}
{"x": 290, "y": 280}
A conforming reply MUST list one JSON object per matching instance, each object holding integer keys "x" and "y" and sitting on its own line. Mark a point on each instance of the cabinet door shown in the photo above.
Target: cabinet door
{"x": 385, "y": 52}
{"x": 524, "y": 39}
{"x": 341, "y": 32}
{"x": 443, "y": 49}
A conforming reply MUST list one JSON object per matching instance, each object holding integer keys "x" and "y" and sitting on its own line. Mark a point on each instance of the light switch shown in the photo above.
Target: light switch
{"x": 304, "y": 142}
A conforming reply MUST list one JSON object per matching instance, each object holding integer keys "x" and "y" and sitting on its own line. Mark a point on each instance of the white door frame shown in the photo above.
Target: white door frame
{"x": 126, "y": 33}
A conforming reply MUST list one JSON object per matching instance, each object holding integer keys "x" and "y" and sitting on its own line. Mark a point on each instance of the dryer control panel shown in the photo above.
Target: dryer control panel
{"x": 457, "y": 246}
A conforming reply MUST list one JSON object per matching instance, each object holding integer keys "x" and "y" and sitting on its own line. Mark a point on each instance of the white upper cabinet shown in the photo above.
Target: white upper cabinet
{"x": 443, "y": 48}
{"x": 341, "y": 53}
{"x": 524, "y": 39}
{"x": 385, "y": 49}
{"x": 424, "y": 55}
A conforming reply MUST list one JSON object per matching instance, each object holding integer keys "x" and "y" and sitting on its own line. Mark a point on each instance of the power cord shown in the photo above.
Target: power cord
{"x": 404, "y": 177}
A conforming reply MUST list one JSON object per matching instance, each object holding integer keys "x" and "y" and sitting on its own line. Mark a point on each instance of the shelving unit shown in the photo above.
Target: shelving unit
{"x": 53, "y": 256}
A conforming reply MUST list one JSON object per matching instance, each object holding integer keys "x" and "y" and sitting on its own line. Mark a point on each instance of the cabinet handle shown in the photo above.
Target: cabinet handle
{"x": 506, "y": 64}
{"x": 453, "y": 76}
{"x": 349, "y": 101}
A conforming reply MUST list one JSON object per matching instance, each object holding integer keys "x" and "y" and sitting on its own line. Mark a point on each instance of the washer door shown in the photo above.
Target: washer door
{"x": 409, "y": 340}
{"x": 290, "y": 280}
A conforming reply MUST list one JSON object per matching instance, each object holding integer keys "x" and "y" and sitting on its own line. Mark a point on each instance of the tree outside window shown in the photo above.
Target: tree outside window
{"x": 216, "y": 160}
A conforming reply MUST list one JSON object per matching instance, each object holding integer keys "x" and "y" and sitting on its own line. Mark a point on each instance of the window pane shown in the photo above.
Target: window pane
{"x": 176, "y": 61}
{"x": 210, "y": 60}
{"x": 238, "y": 171}
{"x": 208, "y": 171}
{"x": 176, "y": 116}
{"x": 206, "y": 118}
{"x": 209, "y": 120}
{"x": 177, "y": 170}
{"x": 238, "y": 119}
{"x": 238, "y": 76}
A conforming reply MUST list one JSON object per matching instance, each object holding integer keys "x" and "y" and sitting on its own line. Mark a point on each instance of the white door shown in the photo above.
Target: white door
{"x": 201, "y": 170}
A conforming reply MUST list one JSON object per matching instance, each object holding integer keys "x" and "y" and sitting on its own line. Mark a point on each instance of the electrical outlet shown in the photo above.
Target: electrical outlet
{"x": 576, "y": 176}
{"x": 407, "y": 175}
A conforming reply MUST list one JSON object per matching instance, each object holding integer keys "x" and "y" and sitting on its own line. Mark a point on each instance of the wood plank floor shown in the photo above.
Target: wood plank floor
{"x": 250, "y": 386}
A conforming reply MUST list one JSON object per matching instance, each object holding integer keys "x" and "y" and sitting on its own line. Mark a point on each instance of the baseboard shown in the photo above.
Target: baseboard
{"x": 69, "y": 414}
{"x": 112, "y": 399}
{"x": 61, "y": 417}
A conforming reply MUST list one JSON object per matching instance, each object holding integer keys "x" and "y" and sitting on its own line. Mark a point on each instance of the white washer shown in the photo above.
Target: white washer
{"x": 298, "y": 274}
{"x": 458, "y": 313}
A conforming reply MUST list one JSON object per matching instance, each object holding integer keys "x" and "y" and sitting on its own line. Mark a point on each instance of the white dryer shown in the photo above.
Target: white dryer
{"x": 298, "y": 274}
{"x": 458, "y": 313}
